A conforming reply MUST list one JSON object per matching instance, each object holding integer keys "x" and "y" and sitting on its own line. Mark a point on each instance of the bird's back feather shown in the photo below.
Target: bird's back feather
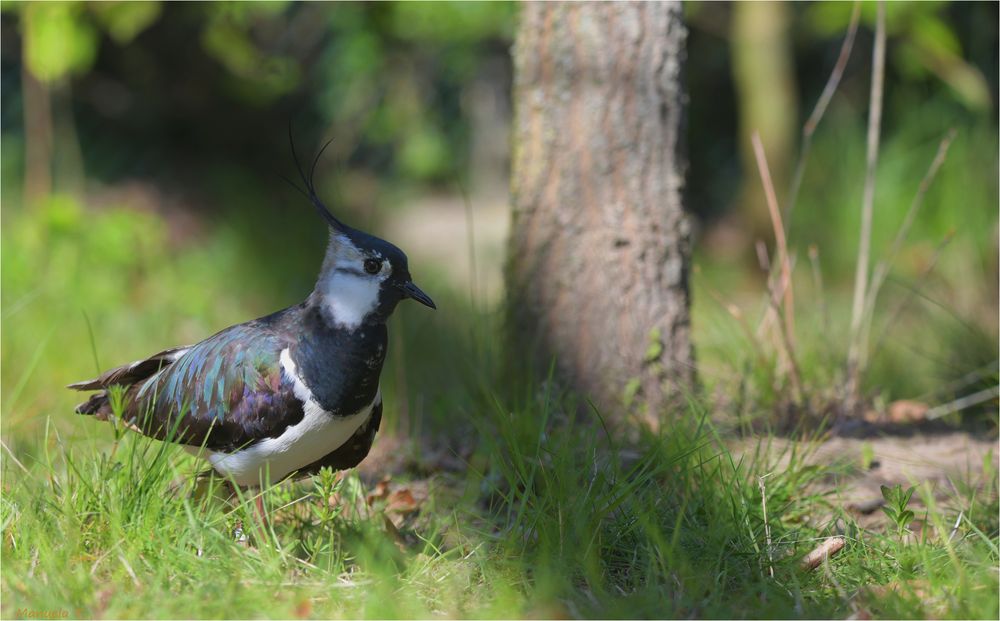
{"x": 222, "y": 393}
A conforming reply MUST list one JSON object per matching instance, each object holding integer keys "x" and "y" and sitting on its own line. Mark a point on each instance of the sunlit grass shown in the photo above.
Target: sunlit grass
{"x": 548, "y": 520}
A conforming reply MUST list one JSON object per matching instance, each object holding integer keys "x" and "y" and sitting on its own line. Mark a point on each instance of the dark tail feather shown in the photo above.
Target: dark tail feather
{"x": 96, "y": 404}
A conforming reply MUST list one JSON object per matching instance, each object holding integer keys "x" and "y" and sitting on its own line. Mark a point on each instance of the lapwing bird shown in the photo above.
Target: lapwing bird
{"x": 283, "y": 395}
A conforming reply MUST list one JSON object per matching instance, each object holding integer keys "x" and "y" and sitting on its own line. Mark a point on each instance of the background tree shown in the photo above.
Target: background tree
{"x": 599, "y": 249}
{"x": 764, "y": 78}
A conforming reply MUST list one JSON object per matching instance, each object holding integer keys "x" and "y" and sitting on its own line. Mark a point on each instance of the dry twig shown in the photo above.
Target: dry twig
{"x": 783, "y": 292}
{"x": 823, "y": 551}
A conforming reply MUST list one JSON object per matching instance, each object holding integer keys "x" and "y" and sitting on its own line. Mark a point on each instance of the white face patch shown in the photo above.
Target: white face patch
{"x": 350, "y": 297}
{"x": 318, "y": 434}
{"x": 348, "y": 291}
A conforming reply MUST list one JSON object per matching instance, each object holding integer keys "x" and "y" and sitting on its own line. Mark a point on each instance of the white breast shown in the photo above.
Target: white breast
{"x": 318, "y": 434}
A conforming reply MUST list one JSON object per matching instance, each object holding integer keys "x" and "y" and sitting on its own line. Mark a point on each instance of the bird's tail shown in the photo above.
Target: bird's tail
{"x": 97, "y": 405}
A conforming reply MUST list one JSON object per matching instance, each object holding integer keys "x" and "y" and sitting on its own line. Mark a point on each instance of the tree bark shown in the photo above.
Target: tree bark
{"x": 597, "y": 274}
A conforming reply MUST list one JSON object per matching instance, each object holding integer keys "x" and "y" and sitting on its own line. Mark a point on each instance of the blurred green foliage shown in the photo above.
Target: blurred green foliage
{"x": 389, "y": 81}
{"x": 255, "y": 76}
{"x": 67, "y": 271}
{"x": 926, "y": 44}
{"x": 62, "y": 38}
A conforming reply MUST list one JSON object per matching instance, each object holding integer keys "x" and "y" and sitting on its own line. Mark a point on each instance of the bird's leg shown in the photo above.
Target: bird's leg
{"x": 231, "y": 494}
{"x": 239, "y": 535}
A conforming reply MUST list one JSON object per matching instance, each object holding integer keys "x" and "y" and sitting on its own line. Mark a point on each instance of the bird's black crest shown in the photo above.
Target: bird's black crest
{"x": 310, "y": 185}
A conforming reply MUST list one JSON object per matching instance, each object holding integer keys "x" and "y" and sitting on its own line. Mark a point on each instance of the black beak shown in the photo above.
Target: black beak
{"x": 410, "y": 290}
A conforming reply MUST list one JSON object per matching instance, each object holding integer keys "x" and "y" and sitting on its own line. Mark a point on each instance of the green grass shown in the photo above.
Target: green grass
{"x": 548, "y": 514}
{"x": 549, "y": 517}
{"x": 547, "y": 520}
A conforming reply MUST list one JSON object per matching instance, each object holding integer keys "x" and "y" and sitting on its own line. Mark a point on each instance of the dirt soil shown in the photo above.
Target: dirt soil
{"x": 950, "y": 461}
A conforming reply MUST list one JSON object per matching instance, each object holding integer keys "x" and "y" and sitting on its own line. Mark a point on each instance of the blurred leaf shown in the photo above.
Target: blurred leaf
{"x": 450, "y": 21}
{"x": 58, "y": 39}
{"x": 831, "y": 17}
{"x": 358, "y": 53}
{"x": 934, "y": 35}
{"x": 631, "y": 390}
{"x": 124, "y": 20}
{"x": 62, "y": 213}
{"x": 121, "y": 235}
{"x": 655, "y": 348}
{"x": 226, "y": 38}
{"x": 424, "y": 153}
{"x": 266, "y": 7}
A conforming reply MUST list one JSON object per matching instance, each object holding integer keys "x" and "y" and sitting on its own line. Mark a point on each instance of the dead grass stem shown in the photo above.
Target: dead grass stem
{"x": 820, "y": 109}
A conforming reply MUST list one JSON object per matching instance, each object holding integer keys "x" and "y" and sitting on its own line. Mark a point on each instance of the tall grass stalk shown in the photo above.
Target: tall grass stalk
{"x": 854, "y": 370}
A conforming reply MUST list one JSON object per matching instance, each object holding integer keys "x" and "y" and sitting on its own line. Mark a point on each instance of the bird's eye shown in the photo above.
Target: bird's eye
{"x": 372, "y": 266}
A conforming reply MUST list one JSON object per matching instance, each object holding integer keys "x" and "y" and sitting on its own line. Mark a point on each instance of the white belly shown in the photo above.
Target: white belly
{"x": 317, "y": 435}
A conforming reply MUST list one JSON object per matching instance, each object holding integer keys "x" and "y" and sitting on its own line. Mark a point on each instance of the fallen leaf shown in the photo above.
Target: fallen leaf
{"x": 381, "y": 490}
{"x": 402, "y": 501}
{"x": 303, "y": 609}
{"x": 905, "y": 411}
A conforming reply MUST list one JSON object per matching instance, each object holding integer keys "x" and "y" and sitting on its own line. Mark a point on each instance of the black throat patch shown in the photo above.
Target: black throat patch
{"x": 340, "y": 366}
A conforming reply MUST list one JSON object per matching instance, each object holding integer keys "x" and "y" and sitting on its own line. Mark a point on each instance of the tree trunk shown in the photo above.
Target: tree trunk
{"x": 598, "y": 267}
{"x": 764, "y": 76}
{"x": 37, "y": 137}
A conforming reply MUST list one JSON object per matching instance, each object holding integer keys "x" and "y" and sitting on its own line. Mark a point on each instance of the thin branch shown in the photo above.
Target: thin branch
{"x": 868, "y": 202}
{"x": 817, "y": 114}
{"x": 965, "y": 402}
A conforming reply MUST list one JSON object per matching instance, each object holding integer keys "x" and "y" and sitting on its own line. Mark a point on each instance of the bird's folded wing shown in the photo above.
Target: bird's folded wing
{"x": 224, "y": 393}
